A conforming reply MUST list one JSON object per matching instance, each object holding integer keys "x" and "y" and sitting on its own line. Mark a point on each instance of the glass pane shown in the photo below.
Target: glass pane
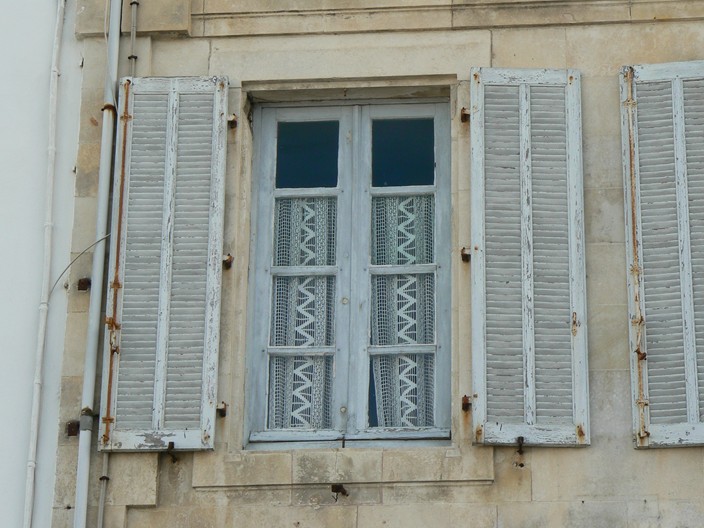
{"x": 305, "y": 232}
{"x": 303, "y": 311}
{"x": 401, "y": 390}
{"x": 306, "y": 154}
{"x": 402, "y": 230}
{"x": 300, "y": 389}
{"x": 403, "y": 152}
{"x": 403, "y": 309}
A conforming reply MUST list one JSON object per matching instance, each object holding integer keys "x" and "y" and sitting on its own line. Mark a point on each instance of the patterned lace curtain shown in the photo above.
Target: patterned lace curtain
{"x": 403, "y": 310}
{"x": 302, "y": 314}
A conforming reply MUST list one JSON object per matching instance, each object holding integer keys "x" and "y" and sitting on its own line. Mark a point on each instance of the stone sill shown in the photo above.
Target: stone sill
{"x": 422, "y": 465}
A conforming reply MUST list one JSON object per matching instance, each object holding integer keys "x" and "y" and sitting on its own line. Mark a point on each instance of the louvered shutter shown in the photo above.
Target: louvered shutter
{"x": 663, "y": 146}
{"x": 163, "y": 302}
{"x": 529, "y": 335}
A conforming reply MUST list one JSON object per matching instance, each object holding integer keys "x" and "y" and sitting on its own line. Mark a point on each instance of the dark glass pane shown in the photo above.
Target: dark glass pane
{"x": 402, "y": 152}
{"x": 306, "y": 154}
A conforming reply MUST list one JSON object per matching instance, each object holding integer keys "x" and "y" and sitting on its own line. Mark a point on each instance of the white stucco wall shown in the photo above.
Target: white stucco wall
{"x": 26, "y": 36}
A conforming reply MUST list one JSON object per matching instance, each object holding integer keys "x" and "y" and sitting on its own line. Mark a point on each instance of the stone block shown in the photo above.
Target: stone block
{"x": 175, "y": 57}
{"x": 427, "y": 514}
{"x": 133, "y": 479}
{"x": 330, "y": 466}
{"x": 90, "y": 18}
{"x": 381, "y": 55}
{"x": 323, "y": 495}
{"x": 115, "y": 517}
{"x": 75, "y": 344}
{"x": 437, "y": 464}
{"x": 596, "y": 514}
{"x": 245, "y": 469}
{"x": 606, "y": 273}
{"x": 603, "y": 165}
{"x": 509, "y": 48}
{"x": 301, "y": 516}
{"x": 159, "y": 16}
{"x": 78, "y": 301}
{"x": 601, "y": 109}
{"x": 644, "y": 513}
{"x": 608, "y": 337}
{"x": 602, "y": 50}
{"x": 604, "y": 215}
{"x": 84, "y": 224}
{"x": 65, "y": 483}
{"x": 87, "y": 164}
{"x": 143, "y": 51}
{"x": 532, "y": 515}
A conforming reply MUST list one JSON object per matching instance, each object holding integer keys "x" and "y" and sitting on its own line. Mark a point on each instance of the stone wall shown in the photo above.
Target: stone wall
{"x": 335, "y": 49}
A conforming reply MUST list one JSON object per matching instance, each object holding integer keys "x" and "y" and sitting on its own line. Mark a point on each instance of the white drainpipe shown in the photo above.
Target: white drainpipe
{"x": 46, "y": 271}
{"x": 97, "y": 273}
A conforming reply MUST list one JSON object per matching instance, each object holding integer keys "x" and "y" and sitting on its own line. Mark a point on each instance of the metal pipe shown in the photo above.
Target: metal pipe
{"x": 103, "y": 489}
{"x": 97, "y": 273}
{"x": 133, "y": 34}
{"x": 46, "y": 270}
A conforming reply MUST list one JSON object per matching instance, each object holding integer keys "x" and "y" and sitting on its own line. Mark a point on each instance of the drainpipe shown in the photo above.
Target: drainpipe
{"x": 97, "y": 273}
{"x": 46, "y": 271}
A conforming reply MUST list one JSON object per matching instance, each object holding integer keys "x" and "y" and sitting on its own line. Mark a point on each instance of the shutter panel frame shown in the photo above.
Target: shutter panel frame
{"x": 158, "y": 436}
{"x": 530, "y": 429}
{"x": 678, "y": 432}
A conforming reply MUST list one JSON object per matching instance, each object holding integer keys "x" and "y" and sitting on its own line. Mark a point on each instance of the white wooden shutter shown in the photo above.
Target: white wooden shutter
{"x": 163, "y": 301}
{"x": 529, "y": 334}
{"x": 663, "y": 150}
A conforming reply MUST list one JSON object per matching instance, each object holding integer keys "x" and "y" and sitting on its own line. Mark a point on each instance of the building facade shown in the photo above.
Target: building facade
{"x": 391, "y": 264}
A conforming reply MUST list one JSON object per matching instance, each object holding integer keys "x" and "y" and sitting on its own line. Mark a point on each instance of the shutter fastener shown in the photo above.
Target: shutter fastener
{"x": 466, "y": 254}
{"x": 227, "y": 261}
{"x": 464, "y": 115}
{"x": 222, "y": 409}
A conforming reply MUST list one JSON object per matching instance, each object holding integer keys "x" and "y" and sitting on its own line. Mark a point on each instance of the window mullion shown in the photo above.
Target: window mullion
{"x": 690, "y": 355}
{"x": 359, "y": 286}
{"x": 166, "y": 258}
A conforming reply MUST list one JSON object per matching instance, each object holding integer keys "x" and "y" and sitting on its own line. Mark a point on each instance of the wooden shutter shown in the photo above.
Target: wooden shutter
{"x": 163, "y": 301}
{"x": 663, "y": 145}
{"x": 529, "y": 334}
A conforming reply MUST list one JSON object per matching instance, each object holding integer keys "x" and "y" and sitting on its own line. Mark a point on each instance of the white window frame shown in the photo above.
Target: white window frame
{"x": 351, "y": 376}
{"x": 647, "y": 434}
{"x": 529, "y": 432}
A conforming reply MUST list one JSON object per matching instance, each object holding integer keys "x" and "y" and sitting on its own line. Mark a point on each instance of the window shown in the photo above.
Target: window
{"x": 163, "y": 301}
{"x": 663, "y": 145}
{"x": 350, "y": 292}
{"x": 529, "y": 335}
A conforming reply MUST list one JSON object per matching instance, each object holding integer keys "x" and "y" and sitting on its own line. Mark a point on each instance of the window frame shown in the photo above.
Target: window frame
{"x": 354, "y": 158}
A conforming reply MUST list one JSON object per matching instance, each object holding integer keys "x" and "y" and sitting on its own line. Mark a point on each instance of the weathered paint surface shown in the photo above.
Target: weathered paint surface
{"x": 332, "y": 51}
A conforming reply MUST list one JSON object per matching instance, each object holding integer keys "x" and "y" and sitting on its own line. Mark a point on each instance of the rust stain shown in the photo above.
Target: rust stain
{"x": 581, "y": 436}
{"x": 94, "y": 121}
{"x": 115, "y": 285}
{"x": 479, "y": 433}
{"x": 638, "y": 319}
{"x": 575, "y": 323}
